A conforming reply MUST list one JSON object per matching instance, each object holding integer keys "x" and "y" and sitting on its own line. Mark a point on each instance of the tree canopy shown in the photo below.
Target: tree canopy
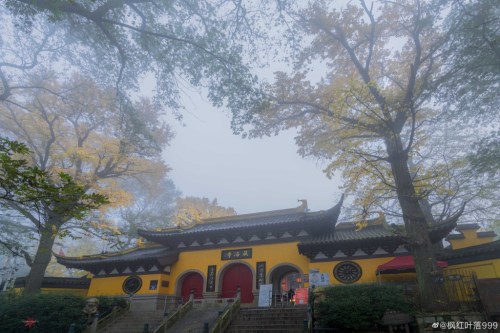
{"x": 470, "y": 87}
{"x": 383, "y": 66}
{"x": 78, "y": 130}
{"x": 191, "y": 209}
{"x": 41, "y": 197}
{"x": 118, "y": 43}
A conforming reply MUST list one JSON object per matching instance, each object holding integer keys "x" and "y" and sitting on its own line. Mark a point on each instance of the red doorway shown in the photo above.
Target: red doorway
{"x": 192, "y": 282}
{"x": 238, "y": 276}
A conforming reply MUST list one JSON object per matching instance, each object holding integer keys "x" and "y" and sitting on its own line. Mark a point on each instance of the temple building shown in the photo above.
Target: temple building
{"x": 289, "y": 248}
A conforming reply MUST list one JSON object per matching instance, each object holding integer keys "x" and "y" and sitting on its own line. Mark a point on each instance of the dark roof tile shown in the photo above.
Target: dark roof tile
{"x": 262, "y": 221}
{"x": 130, "y": 256}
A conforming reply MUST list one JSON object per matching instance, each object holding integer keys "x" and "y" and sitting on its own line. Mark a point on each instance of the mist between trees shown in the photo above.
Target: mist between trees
{"x": 406, "y": 107}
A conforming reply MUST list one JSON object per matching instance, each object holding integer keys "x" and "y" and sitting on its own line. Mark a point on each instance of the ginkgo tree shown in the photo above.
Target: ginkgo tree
{"x": 46, "y": 200}
{"x": 78, "y": 129}
{"x": 194, "y": 209}
{"x": 382, "y": 64}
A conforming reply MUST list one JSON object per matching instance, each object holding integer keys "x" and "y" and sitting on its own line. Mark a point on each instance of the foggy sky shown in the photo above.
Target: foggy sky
{"x": 208, "y": 160}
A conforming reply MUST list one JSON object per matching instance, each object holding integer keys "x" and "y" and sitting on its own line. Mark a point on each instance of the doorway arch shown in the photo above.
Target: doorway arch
{"x": 236, "y": 277}
{"x": 285, "y": 276}
{"x": 192, "y": 282}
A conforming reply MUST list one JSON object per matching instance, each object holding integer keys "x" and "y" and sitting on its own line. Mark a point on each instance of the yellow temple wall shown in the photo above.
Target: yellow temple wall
{"x": 368, "y": 268}
{"x": 484, "y": 269}
{"x": 113, "y": 285}
{"x": 471, "y": 239}
{"x": 272, "y": 254}
{"x": 72, "y": 291}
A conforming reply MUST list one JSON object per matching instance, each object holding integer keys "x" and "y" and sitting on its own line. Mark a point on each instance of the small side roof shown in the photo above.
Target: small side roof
{"x": 402, "y": 264}
{"x": 372, "y": 233}
{"x": 485, "y": 251}
{"x": 156, "y": 255}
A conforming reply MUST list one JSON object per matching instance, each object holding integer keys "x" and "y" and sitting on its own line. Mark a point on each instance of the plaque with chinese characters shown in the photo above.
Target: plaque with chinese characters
{"x": 236, "y": 254}
{"x": 261, "y": 274}
{"x": 211, "y": 278}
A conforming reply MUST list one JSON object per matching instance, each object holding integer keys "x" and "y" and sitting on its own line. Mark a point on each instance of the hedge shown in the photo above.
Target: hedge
{"x": 359, "y": 307}
{"x": 54, "y": 312}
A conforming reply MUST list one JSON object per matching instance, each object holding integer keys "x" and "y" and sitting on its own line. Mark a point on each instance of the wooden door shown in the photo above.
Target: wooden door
{"x": 192, "y": 281}
{"x": 238, "y": 276}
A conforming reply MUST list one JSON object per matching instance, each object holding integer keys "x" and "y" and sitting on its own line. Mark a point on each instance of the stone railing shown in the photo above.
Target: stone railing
{"x": 107, "y": 319}
{"x": 212, "y": 302}
{"x": 223, "y": 321}
{"x": 169, "y": 322}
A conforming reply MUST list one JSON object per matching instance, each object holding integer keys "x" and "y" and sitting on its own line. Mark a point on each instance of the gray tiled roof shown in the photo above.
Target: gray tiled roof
{"x": 377, "y": 229}
{"x": 344, "y": 234}
{"x": 491, "y": 247}
{"x": 260, "y": 221}
{"x": 238, "y": 223}
{"x": 134, "y": 255}
{"x": 57, "y": 282}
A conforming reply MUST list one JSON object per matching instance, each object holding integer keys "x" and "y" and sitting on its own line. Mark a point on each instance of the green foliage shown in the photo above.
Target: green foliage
{"x": 198, "y": 42}
{"x": 53, "y": 312}
{"x": 487, "y": 157}
{"x": 33, "y": 187}
{"x": 48, "y": 201}
{"x": 358, "y": 307}
{"x": 106, "y": 304}
{"x": 15, "y": 172}
{"x": 473, "y": 52}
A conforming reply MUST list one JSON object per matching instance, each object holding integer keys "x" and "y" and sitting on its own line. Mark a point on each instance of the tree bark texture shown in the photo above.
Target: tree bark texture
{"x": 41, "y": 260}
{"x": 432, "y": 293}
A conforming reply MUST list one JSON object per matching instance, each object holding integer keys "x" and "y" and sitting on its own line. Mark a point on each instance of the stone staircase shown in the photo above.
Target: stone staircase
{"x": 133, "y": 322}
{"x": 194, "y": 320}
{"x": 269, "y": 320}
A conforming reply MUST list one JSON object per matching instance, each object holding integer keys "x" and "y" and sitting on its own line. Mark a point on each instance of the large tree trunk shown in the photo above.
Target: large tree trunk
{"x": 41, "y": 261}
{"x": 428, "y": 273}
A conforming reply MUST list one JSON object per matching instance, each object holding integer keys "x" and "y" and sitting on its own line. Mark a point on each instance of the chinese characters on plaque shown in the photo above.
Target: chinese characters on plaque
{"x": 236, "y": 254}
{"x": 211, "y": 278}
{"x": 261, "y": 274}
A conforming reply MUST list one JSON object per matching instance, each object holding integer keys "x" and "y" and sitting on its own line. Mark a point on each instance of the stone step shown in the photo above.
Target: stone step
{"x": 194, "y": 320}
{"x": 133, "y": 322}
{"x": 268, "y": 326}
{"x": 252, "y": 330}
{"x": 272, "y": 320}
{"x": 290, "y": 308}
{"x": 273, "y": 315}
{"x": 279, "y": 311}
{"x": 239, "y": 322}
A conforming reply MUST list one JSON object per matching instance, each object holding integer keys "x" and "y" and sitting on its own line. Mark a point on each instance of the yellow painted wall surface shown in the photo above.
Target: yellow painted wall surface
{"x": 272, "y": 254}
{"x": 368, "y": 267}
{"x": 484, "y": 269}
{"x": 77, "y": 292}
{"x": 471, "y": 239}
{"x": 113, "y": 285}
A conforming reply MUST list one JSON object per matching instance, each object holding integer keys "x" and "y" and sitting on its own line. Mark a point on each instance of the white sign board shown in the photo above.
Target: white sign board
{"x": 265, "y": 295}
{"x": 319, "y": 279}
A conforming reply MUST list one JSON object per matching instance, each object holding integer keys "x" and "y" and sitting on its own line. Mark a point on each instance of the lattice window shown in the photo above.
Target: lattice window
{"x": 347, "y": 272}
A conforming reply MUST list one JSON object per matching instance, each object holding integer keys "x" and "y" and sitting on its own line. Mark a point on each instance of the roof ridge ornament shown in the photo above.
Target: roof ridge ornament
{"x": 303, "y": 206}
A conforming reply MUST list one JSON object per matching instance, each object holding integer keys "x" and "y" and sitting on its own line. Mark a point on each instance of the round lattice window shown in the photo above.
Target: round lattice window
{"x": 132, "y": 284}
{"x": 347, "y": 272}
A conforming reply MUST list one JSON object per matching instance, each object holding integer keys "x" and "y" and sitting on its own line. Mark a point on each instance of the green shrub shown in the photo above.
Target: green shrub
{"x": 106, "y": 304}
{"x": 54, "y": 313}
{"x": 359, "y": 307}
